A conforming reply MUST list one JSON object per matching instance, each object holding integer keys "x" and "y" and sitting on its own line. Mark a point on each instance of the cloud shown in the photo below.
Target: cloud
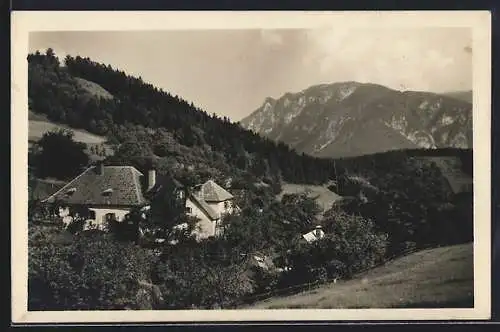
{"x": 439, "y": 60}
{"x": 271, "y": 37}
{"x": 419, "y": 59}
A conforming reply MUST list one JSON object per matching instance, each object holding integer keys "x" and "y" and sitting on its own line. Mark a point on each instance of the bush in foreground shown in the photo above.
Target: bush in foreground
{"x": 350, "y": 245}
{"x": 84, "y": 271}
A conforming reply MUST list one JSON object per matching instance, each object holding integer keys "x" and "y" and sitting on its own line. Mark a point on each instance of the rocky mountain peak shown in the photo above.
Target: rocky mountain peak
{"x": 352, "y": 118}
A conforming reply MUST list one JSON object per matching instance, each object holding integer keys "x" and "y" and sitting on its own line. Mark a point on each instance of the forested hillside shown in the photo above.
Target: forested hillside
{"x": 148, "y": 125}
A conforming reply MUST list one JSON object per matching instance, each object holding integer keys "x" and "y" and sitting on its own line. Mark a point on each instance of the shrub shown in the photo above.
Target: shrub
{"x": 88, "y": 271}
{"x": 201, "y": 276}
{"x": 349, "y": 246}
{"x": 351, "y": 240}
{"x": 76, "y": 226}
{"x": 60, "y": 143}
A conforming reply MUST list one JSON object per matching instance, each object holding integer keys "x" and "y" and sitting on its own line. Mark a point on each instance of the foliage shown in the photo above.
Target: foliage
{"x": 407, "y": 197}
{"x": 205, "y": 275}
{"x": 275, "y": 225}
{"x": 357, "y": 242}
{"x": 350, "y": 245}
{"x": 60, "y": 156}
{"x": 167, "y": 207}
{"x": 84, "y": 271}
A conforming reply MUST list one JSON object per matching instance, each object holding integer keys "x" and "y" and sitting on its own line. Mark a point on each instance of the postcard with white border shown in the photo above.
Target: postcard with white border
{"x": 250, "y": 166}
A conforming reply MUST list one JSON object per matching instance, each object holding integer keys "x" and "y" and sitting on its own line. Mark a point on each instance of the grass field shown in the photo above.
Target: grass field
{"x": 325, "y": 197}
{"x": 435, "y": 278}
{"x": 38, "y": 128}
{"x": 38, "y": 125}
{"x": 93, "y": 89}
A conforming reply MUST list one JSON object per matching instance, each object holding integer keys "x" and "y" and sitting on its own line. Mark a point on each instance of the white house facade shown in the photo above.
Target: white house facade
{"x": 209, "y": 203}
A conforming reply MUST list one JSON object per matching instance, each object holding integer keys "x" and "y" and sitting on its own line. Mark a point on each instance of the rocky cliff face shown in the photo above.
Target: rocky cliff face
{"x": 350, "y": 118}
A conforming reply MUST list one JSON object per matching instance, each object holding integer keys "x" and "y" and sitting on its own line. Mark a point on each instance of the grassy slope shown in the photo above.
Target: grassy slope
{"x": 460, "y": 95}
{"x": 441, "y": 277}
{"x": 39, "y": 124}
{"x": 93, "y": 89}
{"x": 38, "y": 128}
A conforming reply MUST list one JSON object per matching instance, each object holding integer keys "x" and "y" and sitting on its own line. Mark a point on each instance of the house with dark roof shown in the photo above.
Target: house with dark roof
{"x": 111, "y": 192}
{"x": 209, "y": 202}
{"x": 108, "y": 192}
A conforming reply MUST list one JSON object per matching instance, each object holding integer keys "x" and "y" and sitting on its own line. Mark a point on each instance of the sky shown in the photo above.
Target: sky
{"x": 231, "y": 72}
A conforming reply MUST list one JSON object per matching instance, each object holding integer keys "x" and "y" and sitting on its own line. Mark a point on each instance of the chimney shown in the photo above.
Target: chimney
{"x": 318, "y": 231}
{"x": 151, "y": 178}
{"x": 99, "y": 168}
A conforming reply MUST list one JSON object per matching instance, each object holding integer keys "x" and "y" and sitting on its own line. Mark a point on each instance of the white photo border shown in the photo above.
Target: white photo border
{"x": 24, "y": 22}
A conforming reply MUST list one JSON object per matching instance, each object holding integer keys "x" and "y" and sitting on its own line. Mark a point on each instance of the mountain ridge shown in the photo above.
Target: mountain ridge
{"x": 339, "y": 119}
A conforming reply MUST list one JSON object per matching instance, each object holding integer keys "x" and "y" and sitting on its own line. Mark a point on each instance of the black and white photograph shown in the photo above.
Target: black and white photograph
{"x": 240, "y": 165}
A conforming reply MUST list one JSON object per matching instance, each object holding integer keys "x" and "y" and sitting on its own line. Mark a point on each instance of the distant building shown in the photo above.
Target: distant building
{"x": 314, "y": 235}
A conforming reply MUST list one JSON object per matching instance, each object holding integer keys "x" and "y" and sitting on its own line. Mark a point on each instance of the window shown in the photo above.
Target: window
{"x": 189, "y": 209}
{"x": 91, "y": 214}
{"x": 218, "y": 229}
{"x": 107, "y": 192}
{"x": 70, "y": 191}
{"x": 180, "y": 194}
{"x": 109, "y": 217}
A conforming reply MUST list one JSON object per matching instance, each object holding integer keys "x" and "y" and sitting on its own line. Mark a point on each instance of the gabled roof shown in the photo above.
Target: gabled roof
{"x": 212, "y": 192}
{"x": 117, "y": 185}
{"x": 204, "y": 207}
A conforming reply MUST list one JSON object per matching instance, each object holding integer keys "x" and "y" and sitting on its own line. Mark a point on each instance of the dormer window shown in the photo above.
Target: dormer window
{"x": 70, "y": 191}
{"x": 107, "y": 192}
